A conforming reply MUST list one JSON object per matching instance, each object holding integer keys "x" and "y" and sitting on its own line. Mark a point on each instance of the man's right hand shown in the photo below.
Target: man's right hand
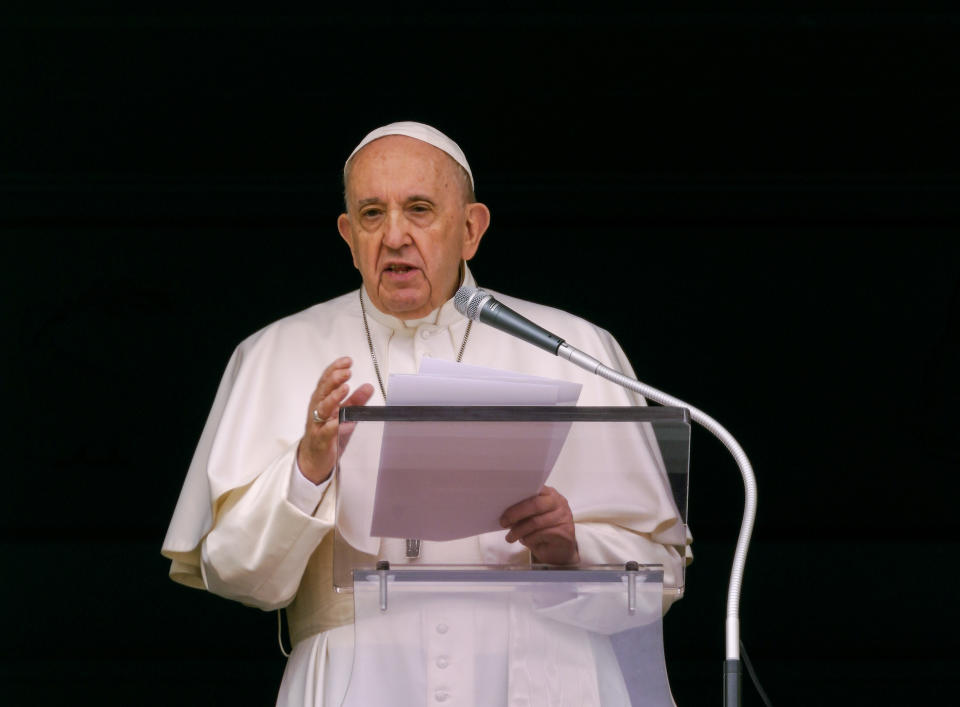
{"x": 317, "y": 454}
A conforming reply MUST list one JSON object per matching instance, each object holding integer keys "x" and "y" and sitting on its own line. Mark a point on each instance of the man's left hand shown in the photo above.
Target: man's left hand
{"x": 544, "y": 525}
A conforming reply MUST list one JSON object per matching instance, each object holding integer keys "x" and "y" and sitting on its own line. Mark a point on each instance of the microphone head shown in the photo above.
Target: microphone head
{"x": 469, "y": 300}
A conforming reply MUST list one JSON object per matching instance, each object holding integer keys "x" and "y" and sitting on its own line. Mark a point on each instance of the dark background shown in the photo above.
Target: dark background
{"x": 760, "y": 201}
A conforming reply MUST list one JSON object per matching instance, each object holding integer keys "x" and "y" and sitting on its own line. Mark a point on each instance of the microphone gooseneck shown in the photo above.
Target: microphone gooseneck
{"x": 474, "y": 303}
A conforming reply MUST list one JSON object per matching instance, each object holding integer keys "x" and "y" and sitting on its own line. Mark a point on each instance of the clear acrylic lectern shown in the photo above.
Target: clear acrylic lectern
{"x": 448, "y": 613}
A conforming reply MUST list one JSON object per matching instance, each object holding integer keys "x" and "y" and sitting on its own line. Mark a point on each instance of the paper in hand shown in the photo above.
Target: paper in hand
{"x": 450, "y": 480}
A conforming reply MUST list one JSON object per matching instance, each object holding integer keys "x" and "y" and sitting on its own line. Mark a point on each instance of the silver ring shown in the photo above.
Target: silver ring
{"x": 316, "y": 417}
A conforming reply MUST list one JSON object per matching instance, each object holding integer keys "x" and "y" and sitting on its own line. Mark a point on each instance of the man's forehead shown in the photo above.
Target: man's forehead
{"x": 420, "y": 132}
{"x": 400, "y": 167}
{"x": 397, "y": 150}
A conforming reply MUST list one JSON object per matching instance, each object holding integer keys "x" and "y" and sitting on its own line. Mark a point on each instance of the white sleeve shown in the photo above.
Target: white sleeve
{"x": 305, "y": 494}
{"x": 604, "y": 544}
{"x": 261, "y": 542}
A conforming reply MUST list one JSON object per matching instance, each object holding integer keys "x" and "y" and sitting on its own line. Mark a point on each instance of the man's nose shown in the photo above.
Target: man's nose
{"x": 397, "y": 233}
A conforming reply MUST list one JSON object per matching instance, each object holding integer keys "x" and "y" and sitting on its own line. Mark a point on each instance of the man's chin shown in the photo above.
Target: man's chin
{"x": 406, "y": 307}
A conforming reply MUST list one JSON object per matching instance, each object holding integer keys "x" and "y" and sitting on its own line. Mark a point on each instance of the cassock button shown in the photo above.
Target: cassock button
{"x": 442, "y": 662}
{"x": 442, "y": 628}
{"x": 441, "y": 696}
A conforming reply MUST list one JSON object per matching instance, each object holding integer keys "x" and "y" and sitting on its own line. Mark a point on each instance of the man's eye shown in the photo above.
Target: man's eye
{"x": 371, "y": 213}
{"x": 420, "y": 208}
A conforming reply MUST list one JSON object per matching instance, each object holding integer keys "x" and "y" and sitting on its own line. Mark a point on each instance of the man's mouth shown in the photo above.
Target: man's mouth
{"x": 400, "y": 270}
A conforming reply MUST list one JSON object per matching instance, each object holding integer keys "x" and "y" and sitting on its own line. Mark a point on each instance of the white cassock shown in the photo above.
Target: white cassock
{"x": 240, "y": 528}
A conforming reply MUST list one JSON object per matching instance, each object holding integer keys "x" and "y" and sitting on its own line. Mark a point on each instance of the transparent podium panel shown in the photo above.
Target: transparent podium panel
{"x": 426, "y": 486}
{"x": 485, "y": 638}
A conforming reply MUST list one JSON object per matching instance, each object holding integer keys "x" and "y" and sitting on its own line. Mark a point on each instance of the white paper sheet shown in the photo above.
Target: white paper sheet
{"x": 449, "y": 480}
{"x": 567, "y": 393}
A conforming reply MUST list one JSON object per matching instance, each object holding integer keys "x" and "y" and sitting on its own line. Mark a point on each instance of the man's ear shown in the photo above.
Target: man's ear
{"x": 478, "y": 219}
{"x": 346, "y": 233}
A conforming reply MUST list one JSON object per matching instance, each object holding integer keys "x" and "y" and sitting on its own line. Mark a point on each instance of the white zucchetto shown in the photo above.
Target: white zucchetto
{"x": 418, "y": 131}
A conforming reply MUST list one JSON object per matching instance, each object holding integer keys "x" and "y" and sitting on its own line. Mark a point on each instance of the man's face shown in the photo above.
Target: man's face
{"x": 408, "y": 224}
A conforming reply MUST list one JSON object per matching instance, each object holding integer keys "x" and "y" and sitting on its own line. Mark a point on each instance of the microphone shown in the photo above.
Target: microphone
{"x": 479, "y": 305}
{"x": 476, "y": 304}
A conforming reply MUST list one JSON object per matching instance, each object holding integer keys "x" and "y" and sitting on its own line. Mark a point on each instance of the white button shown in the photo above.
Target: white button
{"x": 442, "y": 628}
{"x": 426, "y": 333}
{"x": 441, "y": 696}
{"x": 442, "y": 662}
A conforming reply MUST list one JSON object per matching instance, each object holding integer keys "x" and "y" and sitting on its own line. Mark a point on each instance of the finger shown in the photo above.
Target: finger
{"x": 547, "y": 509}
{"x": 541, "y": 503}
{"x": 324, "y": 430}
{"x": 548, "y": 537}
{"x": 342, "y": 362}
{"x": 554, "y": 547}
{"x": 528, "y": 507}
{"x": 329, "y": 406}
{"x": 328, "y": 383}
{"x": 360, "y": 396}
{"x": 538, "y": 523}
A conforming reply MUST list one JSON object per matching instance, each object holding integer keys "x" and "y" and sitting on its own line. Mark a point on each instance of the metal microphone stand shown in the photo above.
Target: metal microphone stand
{"x": 731, "y": 665}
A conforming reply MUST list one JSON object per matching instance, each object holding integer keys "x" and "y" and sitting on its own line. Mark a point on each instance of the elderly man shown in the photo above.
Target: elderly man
{"x": 253, "y": 519}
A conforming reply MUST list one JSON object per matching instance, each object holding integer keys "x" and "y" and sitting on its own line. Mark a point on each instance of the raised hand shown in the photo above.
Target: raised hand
{"x": 317, "y": 453}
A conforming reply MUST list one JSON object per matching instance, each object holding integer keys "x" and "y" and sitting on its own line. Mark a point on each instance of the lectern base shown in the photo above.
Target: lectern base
{"x": 508, "y": 637}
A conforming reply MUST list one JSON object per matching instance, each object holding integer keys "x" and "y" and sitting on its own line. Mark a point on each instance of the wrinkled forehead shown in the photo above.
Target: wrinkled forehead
{"x": 426, "y": 134}
{"x": 395, "y": 158}
{"x": 396, "y": 166}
